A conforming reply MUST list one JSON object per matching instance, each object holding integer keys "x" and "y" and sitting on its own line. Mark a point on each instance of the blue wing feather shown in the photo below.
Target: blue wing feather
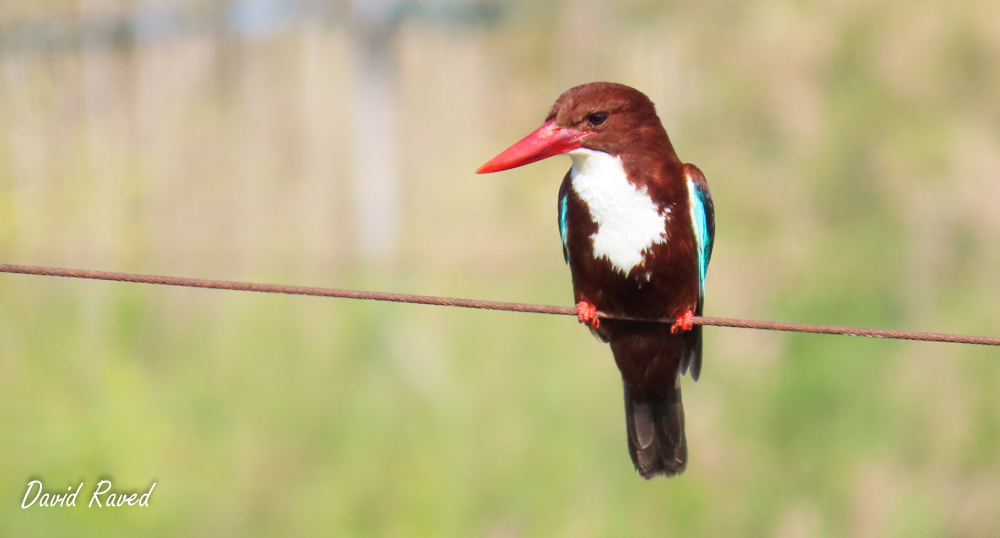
{"x": 703, "y": 225}
{"x": 702, "y": 219}
{"x": 563, "y": 202}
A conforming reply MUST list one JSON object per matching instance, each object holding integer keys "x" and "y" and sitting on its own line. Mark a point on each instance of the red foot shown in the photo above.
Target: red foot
{"x": 684, "y": 323}
{"x": 587, "y": 314}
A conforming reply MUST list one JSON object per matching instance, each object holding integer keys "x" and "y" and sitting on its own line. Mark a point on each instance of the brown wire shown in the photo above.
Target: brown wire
{"x": 486, "y": 305}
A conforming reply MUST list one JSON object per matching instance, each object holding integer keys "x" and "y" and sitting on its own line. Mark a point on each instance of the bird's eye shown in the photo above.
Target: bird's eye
{"x": 597, "y": 118}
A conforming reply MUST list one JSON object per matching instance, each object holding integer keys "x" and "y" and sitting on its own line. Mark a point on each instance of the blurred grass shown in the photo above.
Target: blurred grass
{"x": 852, "y": 150}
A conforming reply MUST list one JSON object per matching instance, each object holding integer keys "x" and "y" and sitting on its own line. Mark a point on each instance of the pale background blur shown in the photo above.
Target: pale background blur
{"x": 852, "y": 147}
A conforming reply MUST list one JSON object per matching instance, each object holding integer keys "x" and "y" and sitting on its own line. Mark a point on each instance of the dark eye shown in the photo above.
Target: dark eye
{"x": 597, "y": 118}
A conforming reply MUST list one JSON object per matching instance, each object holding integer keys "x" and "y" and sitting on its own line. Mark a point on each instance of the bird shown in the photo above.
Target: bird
{"x": 637, "y": 227}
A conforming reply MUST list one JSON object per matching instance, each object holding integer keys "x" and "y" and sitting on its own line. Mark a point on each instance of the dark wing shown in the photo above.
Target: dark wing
{"x": 703, "y": 223}
{"x": 563, "y": 222}
{"x": 702, "y": 216}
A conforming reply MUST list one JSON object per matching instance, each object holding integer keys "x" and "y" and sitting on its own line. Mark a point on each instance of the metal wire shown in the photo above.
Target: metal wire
{"x": 485, "y": 305}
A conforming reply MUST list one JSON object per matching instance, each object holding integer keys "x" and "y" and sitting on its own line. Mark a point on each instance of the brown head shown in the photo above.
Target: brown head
{"x": 601, "y": 116}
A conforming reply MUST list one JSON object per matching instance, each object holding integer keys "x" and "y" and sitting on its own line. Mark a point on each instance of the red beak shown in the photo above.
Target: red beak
{"x": 546, "y": 141}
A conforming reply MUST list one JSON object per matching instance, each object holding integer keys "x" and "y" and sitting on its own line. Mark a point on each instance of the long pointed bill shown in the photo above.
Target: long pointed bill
{"x": 546, "y": 141}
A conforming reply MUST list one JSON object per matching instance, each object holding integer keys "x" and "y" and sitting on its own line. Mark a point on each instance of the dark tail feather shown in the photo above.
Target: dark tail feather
{"x": 656, "y": 439}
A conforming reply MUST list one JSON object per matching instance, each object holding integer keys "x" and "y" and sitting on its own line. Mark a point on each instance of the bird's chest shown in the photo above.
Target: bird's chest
{"x": 614, "y": 220}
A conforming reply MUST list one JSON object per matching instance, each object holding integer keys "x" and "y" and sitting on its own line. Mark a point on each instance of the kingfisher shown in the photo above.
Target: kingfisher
{"x": 637, "y": 227}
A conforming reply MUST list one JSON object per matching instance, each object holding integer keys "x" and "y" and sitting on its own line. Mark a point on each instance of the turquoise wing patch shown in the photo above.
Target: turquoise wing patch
{"x": 702, "y": 219}
{"x": 563, "y": 201}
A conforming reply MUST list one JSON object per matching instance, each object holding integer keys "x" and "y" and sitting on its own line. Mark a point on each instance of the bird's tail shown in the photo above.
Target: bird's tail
{"x": 656, "y": 439}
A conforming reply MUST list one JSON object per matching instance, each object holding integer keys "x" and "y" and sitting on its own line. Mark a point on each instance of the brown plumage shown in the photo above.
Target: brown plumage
{"x": 617, "y": 126}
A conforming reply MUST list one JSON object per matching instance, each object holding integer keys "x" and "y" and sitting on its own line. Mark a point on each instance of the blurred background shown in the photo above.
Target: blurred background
{"x": 852, "y": 147}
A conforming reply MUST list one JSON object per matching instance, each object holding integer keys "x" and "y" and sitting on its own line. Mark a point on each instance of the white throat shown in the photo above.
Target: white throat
{"x": 628, "y": 221}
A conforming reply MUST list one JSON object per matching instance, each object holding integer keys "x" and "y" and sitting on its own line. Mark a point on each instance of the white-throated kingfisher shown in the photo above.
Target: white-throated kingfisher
{"x": 637, "y": 227}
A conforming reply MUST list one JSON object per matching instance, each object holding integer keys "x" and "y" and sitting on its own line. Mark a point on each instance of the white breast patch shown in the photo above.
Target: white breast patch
{"x": 628, "y": 221}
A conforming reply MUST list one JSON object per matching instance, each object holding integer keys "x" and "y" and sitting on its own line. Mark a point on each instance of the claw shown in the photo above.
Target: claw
{"x": 587, "y": 314}
{"x": 684, "y": 322}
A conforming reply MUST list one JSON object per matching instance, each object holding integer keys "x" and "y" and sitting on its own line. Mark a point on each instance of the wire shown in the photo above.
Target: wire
{"x": 485, "y": 305}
